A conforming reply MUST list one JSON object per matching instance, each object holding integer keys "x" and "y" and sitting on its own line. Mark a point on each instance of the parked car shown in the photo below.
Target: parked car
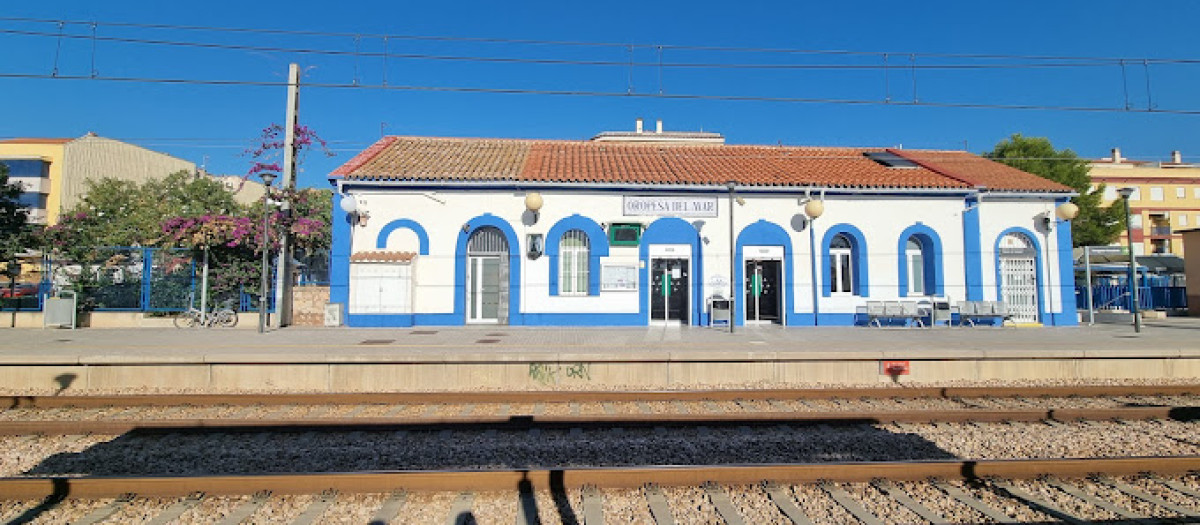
{"x": 20, "y": 290}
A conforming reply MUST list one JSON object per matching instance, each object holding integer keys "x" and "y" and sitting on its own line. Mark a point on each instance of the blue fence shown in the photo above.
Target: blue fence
{"x": 1116, "y": 297}
{"x": 131, "y": 279}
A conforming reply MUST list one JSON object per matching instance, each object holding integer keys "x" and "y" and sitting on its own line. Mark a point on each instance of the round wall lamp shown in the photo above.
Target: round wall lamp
{"x": 1067, "y": 211}
{"x": 533, "y": 203}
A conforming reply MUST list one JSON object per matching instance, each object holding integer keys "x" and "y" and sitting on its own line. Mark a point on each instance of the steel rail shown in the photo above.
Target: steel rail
{"x": 17, "y": 401}
{"x": 606, "y": 421}
{"x": 616, "y": 477}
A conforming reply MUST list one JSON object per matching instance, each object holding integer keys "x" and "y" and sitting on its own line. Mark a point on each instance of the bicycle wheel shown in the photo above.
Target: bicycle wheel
{"x": 185, "y": 320}
{"x": 227, "y": 318}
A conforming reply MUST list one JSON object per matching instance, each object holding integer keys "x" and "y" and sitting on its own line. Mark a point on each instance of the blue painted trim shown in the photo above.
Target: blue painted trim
{"x": 837, "y": 319}
{"x": 973, "y": 251}
{"x": 671, "y": 230}
{"x": 931, "y": 252}
{"x": 585, "y": 319}
{"x": 409, "y": 224}
{"x": 763, "y": 233}
{"x": 1041, "y": 279}
{"x": 339, "y": 257}
{"x": 858, "y": 259}
{"x": 515, "y": 317}
{"x": 380, "y": 320}
{"x": 1066, "y": 273}
{"x": 597, "y": 248}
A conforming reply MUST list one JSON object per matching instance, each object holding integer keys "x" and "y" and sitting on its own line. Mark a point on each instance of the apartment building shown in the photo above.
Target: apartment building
{"x": 54, "y": 171}
{"x": 1165, "y": 199}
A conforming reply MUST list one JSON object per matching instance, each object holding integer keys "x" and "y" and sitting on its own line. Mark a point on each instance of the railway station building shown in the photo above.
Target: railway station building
{"x": 651, "y": 227}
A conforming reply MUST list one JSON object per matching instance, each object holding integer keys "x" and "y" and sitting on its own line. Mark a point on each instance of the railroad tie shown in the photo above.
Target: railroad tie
{"x": 908, "y": 502}
{"x": 610, "y": 409}
{"x": 504, "y": 410}
{"x": 539, "y": 409}
{"x": 176, "y": 509}
{"x": 1034, "y": 502}
{"x": 720, "y": 500}
{"x": 1148, "y": 498}
{"x": 973, "y": 502}
{"x": 460, "y": 510}
{"x": 106, "y": 511}
{"x": 786, "y": 505}
{"x": 246, "y": 509}
{"x": 713, "y": 407}
{"x": 395, "y": 410}
{"x": 659, "y": 509}
{"x": 1094, "y": 501}
{"x": 851, "y": 505}
{"x": 316, "y": 509}
{"x": 593, "y": 506}
{"x": 390, "y": 508}
{"x": 467, "y": 410}
{"x": 576, "y": 409}
{"x": 1176, "y": 486}
{"x": 644, "y": 407}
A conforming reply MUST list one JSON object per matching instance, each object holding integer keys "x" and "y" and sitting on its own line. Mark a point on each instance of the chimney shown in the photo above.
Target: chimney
{"x": 639, "y": 125}
{"x": 1116, "y": 155}
{"x": 1176, "y": 157}
{"x": 658, "y": 128}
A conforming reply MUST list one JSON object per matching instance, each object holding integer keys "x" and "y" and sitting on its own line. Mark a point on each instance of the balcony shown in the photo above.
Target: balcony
{"x": 1159, "y": 231}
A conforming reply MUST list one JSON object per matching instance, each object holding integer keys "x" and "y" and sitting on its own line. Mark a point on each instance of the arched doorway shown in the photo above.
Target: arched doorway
{"x": 1018, "y": 277}
{"x": 487, "y": 277}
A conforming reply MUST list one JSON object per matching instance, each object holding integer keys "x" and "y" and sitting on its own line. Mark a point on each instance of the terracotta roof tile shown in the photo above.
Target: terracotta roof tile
{"x": 446, "y": 159}
{"x": 383, "y": 257}
{"x": 980, "y": 172}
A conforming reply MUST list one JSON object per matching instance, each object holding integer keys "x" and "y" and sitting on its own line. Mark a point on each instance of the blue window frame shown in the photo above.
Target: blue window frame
{"x": 597, "y": 247}
{"x": 844, "y": 262}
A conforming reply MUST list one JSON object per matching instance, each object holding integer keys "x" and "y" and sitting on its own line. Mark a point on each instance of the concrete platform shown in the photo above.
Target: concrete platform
{"x": 519, "y": 358}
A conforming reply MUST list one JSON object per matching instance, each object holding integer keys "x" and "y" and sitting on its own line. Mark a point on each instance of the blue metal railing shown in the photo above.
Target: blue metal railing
{"x": 1116, "y": 297}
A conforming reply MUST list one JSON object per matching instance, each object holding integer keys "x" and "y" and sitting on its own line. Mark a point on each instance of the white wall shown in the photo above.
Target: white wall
{"x": 880, "y": 218}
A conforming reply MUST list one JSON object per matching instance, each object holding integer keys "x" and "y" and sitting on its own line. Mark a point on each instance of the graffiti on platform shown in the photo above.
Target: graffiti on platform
{"x": 550, "y": 373}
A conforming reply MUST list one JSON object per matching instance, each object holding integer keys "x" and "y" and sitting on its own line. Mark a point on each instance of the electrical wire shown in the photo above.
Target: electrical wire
{"x": 290, "y": 32}
{"x": 607, "y": 94}
{"x": 541, "y": 61}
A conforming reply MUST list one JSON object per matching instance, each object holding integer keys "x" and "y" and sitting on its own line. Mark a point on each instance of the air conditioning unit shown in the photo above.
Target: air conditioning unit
{"x": 333, "y": 314}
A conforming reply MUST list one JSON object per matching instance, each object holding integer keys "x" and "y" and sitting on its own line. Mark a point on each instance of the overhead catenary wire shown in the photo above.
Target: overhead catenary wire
{"x": 435, "y": 38}
{"x": 385, "y": 55}
{"x": 669, "y": 96}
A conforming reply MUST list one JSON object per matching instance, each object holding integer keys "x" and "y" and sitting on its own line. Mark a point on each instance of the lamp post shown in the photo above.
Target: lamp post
{"x": 732, "y": 258}
{"x": 814, "y": 209}
{"x": 1133, "y": 289}
{"x": 267, "y": 179}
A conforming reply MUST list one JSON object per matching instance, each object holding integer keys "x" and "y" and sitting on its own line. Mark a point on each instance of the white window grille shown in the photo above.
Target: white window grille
{"x": 573, "y": 262}
{"x": 1156, "y": 194}
{"x": 1181, "y": 193}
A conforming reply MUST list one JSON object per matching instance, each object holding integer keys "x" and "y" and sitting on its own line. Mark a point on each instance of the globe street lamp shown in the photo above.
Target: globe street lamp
{"x": 267, "y": 179}
{"x": 1133, "y": 289}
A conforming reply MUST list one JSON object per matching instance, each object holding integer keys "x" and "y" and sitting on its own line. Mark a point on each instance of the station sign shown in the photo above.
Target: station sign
{"x": 670, "y": 206}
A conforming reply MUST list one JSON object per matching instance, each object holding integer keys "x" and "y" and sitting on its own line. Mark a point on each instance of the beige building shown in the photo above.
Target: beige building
{"x": 54, "y": 171}
{"x": 1166, "y": 198}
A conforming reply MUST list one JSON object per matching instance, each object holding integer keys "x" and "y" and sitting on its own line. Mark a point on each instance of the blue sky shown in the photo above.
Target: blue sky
{"x": 214, "y": 124}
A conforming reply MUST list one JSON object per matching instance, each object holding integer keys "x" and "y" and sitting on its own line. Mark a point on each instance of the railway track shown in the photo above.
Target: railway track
{"x": 765, "y": 456}
{"x": 1031, "y": 491}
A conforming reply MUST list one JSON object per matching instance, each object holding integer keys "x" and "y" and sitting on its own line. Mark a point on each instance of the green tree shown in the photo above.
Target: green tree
{"x": 14, "y": 228}
{"x": 1095, "y": 225}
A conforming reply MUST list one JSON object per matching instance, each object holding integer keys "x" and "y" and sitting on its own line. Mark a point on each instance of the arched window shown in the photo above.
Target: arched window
{"x": 573, "y": 251}
{"x": 841, "y": 266}
{"x": 914, "y": 253}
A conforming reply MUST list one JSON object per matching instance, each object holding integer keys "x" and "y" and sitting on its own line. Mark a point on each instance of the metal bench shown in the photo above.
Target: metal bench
{"x": 879, "y": 312}
{"x": 970, "y": 312}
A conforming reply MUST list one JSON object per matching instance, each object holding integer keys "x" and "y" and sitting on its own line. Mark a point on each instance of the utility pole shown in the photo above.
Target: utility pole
{"x": 283, "y": 267}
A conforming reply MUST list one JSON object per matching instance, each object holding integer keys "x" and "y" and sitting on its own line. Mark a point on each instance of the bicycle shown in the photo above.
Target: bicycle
{"x": 224, "y": 317}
